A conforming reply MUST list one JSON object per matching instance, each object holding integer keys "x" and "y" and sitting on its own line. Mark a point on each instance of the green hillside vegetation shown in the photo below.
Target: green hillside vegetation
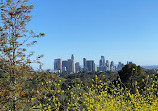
{"x": 45, "y": 91}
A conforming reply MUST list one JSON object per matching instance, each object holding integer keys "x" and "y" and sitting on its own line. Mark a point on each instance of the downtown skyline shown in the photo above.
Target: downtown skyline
{"x": 72, "y": 66}
{"x": 96, "y": 61}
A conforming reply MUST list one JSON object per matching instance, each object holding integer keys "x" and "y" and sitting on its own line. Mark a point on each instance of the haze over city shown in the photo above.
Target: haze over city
{"x": 119, "y": 30}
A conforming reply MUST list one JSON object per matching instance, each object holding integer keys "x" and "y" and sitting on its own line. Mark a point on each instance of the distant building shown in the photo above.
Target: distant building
{"x": 95, "y": 67}
{"x": 64, "y": 66}
{"x": 90, "y": 66}
{"x": 64, "y": 63}
{"x": 102, "y": 65}
{"x": 120, "y": 66}
{"x": 84, "y": 64}
{"x": 73, "y": 63}
{"x": 102, "y": 61}
{"x": 77, "y": 67}
{"x": 69, "y": 65}
{"x": 57, "y": 65}
{"x": 107, "y": 65}
{"x": 112, "y": 66}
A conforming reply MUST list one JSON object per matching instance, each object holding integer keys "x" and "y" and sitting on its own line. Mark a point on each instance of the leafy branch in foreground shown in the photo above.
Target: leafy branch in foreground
{"x": 14, "y": 63}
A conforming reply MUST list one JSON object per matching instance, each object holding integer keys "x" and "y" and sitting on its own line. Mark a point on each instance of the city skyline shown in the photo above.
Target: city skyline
{"x": 97, "y": 62}
{"x": 72, "y": 66}
{"x": 120, "y": 30}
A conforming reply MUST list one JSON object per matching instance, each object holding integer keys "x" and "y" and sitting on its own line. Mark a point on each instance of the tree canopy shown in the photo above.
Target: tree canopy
{"x": 132, "y": 74}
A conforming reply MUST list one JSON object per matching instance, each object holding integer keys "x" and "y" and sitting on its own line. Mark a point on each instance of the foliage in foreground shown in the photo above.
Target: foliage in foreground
{"x": 14, "y": 58}
{"x": 49, "y": 92}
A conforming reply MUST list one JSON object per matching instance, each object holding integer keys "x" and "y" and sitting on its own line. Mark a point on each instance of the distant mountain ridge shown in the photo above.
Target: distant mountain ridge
{"x": 150, "y": 67}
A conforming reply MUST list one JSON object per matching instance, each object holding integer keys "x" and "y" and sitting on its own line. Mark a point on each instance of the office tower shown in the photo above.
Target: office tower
{"x": 112, "y": 66}
{"x": 90, "y": 66}
{"x": 64, "y": 63}
{"x": 77, "y": 67}
{"x": 120, "y": 66}
{"x": 64, "y": 66}
{"x": 69, "y": 66}
{"x": 102, "y": 65}
{"x": 95, "y": 67}
{"x": 84, "y": 64}
{"x": 57, "y": 65}
{"x": 107, "y": 65}
{"x": 73, "y": 63}
{"x": 102, "y": 61}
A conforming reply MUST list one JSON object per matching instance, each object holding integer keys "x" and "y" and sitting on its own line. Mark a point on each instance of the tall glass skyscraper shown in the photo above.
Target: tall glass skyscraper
{"x": 102, "y": 61}
{"x": 58, "y": 65}
{"x": 73, "y": 64}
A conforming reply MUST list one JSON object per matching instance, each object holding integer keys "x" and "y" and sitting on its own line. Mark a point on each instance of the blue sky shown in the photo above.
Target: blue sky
{"x": 120, "y": 30}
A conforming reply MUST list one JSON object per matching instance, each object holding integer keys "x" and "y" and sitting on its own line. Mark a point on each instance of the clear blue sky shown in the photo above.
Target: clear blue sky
{"x": 120, "y": 30}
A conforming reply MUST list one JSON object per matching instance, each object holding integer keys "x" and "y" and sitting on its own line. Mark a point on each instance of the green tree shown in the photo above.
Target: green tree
{"x": 15, "y": 64}
{"x": 131, "y": 75}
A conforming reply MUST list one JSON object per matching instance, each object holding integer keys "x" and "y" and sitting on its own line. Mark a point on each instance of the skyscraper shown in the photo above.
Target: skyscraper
{"x": 102, "y": 65}
{"x": 102, "y": 61}
{"x": 112, "y": 66}
{"x": 90, "y": 65}
{"x": 84, "y": 64}
{"x": 77, "y": 67}
{"x": 69, "y": 65}
{"x": 73, "y": 63}
{"x": 57, "y": 65}
{"x": 64, "y": 65}
{"x": 120, "y": 66}
{"x": 107, "y": 65}
{"x": 95, "y": 67}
